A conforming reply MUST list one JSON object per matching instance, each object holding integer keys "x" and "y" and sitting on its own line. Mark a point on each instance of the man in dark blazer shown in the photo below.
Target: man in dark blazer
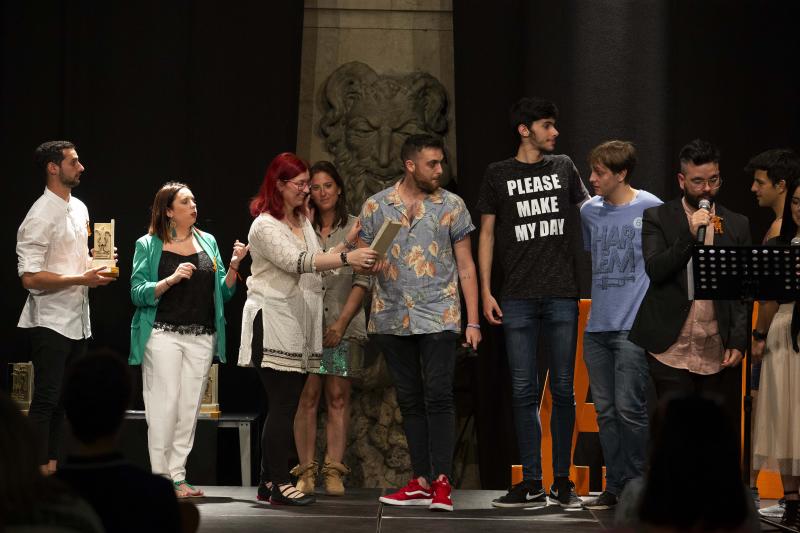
{"x": 692, "y": 346}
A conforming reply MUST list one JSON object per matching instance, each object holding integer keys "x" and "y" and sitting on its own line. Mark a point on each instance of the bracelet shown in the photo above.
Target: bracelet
{"x": 343, "y": 257}
{"x": 167, "y": 282}
{"x": 476, "y": 326}
{"x": 351, "y": 245}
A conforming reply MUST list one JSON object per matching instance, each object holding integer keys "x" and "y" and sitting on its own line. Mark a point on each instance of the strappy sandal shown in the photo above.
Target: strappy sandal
{"x": 288, "y": 495}
{"x": 185, "y": 490}
{"x": 264, "y": 491}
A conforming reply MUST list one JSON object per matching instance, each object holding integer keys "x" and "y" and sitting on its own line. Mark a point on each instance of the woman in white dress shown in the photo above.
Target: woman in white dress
{"x": 776, "y": 442}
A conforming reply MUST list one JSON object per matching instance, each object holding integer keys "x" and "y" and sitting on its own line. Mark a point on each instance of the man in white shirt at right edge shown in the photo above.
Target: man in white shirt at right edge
{"x": 53, "y": 265}
{"x": 618, "y": 369}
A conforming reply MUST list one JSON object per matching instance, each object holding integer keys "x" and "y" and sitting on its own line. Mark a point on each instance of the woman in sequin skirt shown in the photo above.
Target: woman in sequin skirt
{"x": 344, "y": 332}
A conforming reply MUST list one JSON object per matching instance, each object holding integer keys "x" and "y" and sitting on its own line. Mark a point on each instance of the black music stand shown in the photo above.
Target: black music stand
{"x": 745, "y": 273}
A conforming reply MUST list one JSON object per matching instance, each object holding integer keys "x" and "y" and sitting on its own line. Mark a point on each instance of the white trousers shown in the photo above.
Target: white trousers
{"x": 174, "y": 372}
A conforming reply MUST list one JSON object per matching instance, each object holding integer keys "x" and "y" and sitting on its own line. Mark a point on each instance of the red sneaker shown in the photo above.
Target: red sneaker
{"x": 411, "y": 494}
{"x": 441, "y": 495}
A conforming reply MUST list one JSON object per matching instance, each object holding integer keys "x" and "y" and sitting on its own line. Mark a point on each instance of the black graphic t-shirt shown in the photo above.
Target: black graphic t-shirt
{"x": 533, "y": 232}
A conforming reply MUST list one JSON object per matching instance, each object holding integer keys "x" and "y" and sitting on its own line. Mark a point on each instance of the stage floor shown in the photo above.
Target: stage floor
{"x": 236, "y": 509}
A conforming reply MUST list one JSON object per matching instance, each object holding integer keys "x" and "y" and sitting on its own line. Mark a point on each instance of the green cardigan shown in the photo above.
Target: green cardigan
{"x": 144, "y": 277}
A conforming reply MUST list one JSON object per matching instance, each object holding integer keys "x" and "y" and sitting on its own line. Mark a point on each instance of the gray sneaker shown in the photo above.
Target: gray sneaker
{"x": 565, "y": 495}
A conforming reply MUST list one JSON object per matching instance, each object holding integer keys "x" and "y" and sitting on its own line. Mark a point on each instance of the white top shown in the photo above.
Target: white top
{"x": 54, "y": 238}
{"x": 289, "y": 295}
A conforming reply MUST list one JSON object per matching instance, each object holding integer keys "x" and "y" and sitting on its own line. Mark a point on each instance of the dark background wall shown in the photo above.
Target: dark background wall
{"x": 653, "y": 72}
{"x": 204, "y": 92}
{"x": 207, "y": 92}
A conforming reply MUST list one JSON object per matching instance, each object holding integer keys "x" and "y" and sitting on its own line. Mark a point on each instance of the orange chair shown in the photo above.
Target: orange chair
{"x": 769, "y": 483}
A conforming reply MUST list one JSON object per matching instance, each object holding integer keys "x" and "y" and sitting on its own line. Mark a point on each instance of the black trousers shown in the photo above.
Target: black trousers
{"x": 423, "y": 370}
{"x": 725, "y": 386}
{"x": 51, "y": 353}
{"x": 283, "y": 395}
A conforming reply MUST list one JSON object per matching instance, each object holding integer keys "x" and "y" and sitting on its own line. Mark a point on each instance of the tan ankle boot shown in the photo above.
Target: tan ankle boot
{"x": 332, "y": 473}
{"x": 306, "y": 477}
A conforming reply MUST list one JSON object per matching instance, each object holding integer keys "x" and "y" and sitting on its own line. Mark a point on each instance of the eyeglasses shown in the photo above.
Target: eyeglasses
{"x": 304, "y": 186}
{"x": 711, "y": 183}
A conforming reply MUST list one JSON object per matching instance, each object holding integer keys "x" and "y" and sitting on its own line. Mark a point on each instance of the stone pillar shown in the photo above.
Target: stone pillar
{"x": 392, "y": 63}
{"x": 374, "y": 72}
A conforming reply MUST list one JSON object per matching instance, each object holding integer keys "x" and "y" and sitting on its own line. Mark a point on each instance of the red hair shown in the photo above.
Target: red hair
{"x": 284, "y": 167}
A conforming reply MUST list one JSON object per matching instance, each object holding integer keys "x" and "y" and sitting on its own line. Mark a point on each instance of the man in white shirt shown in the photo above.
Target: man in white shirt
{"x": 53, "y": 264}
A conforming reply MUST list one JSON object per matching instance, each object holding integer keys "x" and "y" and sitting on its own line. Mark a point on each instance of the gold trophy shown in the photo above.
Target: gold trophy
{"x": 22, "y": 385}
{"x": 210, "y": 404}
{"x": 103, "y": 249}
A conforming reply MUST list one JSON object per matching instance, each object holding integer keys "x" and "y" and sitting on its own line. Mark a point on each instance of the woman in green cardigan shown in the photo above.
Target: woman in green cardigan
{"x": 179, "y": 286}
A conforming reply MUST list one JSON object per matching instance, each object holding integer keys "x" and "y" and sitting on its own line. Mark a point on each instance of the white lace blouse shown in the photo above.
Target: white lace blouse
{"x": 285, "y": 287}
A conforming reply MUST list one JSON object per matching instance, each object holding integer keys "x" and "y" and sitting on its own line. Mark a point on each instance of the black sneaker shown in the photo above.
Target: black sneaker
{"x": 791, "y": 515}
{"x": 522, "y": 495}
{"x": 564, "y": 495}
{"x": 773, "y": 511}
{"x": 606, "y": 500}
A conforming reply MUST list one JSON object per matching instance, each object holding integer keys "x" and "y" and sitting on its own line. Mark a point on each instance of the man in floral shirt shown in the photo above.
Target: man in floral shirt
{"x": 416, "y": 311}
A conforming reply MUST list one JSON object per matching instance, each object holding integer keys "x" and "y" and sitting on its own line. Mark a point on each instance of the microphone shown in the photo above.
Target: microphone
{"x": 701, "y": 231}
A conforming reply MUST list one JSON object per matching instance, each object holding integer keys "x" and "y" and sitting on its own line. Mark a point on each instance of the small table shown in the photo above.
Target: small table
{"x": 242, "y": 421}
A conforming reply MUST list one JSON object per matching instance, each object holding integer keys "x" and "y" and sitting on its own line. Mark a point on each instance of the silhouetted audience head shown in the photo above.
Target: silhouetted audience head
{"x": 694, "y": 481}
{"x": 27, "y": 498}
{"x": 96, "y": 393}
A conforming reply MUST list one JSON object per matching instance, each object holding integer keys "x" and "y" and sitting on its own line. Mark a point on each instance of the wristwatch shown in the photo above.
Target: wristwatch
{"x": 343, "y": 257}
{"x": 759, "y": 336}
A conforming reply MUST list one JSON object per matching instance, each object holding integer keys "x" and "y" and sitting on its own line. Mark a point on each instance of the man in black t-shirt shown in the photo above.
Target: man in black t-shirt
{"x": 524, "y": 203}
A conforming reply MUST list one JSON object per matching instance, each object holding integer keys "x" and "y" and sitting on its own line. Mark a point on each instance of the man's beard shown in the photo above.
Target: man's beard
{"x": 694, "y": 200}
{"x": 71, "y": 183}
{"x": 543, "y": 146}
{"x": 426, "y": 187}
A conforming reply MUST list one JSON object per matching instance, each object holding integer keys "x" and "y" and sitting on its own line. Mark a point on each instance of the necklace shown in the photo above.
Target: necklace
{"x": 176, "y": 240}
{"x": 292, "y": 224}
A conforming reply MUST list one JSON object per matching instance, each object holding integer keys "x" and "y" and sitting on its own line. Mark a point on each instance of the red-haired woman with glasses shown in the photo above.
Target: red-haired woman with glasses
{"x": 282, "y": 317}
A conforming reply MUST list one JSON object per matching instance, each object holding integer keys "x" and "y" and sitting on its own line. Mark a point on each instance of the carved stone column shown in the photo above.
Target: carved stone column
{"x": 374, "y": 72}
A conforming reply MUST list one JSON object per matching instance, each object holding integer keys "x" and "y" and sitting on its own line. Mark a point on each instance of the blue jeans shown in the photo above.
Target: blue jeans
{"x": 423, "y": 369}
{"x": 618, "y": 376}
{"x": 557, "y": 318}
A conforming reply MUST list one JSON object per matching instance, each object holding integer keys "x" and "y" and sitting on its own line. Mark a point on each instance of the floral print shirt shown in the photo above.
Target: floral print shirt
{"x": 417, "y": 293}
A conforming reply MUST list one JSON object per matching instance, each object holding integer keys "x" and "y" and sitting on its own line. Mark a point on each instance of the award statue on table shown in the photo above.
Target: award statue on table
{"x": 209, "y": 408}
{"x": 103, "y": 249}
{"x": 22, "y": 385}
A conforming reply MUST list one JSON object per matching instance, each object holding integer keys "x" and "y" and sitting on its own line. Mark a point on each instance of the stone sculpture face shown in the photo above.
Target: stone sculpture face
{"x": 367, "y": 117}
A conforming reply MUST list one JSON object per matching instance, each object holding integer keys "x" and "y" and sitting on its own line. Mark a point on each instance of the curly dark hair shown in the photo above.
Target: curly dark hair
{"x": 528, "y": 110}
